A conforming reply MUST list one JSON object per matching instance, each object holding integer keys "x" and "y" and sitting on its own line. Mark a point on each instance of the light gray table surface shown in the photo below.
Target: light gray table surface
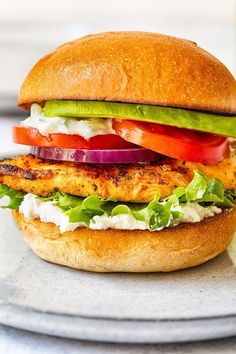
{"x": 19, "y": 341}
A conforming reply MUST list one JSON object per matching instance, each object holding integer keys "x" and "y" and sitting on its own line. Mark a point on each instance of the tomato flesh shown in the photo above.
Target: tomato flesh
{"x": 183, "y": 144}
{"x": 174, "y": 142}
{"x": 32, "y": 137}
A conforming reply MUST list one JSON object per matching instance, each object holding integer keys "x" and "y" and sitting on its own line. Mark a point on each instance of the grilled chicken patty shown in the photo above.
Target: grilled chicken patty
{"x": 131, "y": 183}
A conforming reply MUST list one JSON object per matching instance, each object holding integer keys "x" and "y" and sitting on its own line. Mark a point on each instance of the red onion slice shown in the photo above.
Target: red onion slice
{"x": 96, "y": 156}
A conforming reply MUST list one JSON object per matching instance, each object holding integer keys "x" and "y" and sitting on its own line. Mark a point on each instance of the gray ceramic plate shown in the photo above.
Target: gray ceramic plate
{"x": 194, "y": 304}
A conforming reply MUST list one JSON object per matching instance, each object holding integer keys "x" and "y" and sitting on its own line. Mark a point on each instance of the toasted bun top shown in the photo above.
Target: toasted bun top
{"x": 136, "y": 67}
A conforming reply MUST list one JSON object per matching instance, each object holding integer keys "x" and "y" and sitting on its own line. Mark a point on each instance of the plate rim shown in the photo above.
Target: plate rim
{"x": 122, "y": 331}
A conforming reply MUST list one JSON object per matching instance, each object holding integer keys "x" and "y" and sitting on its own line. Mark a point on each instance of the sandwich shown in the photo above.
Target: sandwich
{"x": 133, "y": 155}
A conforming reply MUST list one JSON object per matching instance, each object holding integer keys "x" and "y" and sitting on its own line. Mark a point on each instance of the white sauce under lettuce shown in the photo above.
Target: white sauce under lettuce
{"x": 85, "y": 127}
{"x": 32, "y": 207}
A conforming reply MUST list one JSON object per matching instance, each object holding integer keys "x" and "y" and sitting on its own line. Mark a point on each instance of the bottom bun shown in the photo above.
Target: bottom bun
{"x": 181, "y": 247}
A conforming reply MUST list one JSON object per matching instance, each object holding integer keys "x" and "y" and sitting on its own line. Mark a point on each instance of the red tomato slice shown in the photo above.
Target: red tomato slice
{"x": 32, "y": 137}
{"x": 175, "y": 142}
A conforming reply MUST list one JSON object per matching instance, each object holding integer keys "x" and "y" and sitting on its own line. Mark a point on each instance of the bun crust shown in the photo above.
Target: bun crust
{"x": 136, "y": 67}
{"x": 185, "y": 246}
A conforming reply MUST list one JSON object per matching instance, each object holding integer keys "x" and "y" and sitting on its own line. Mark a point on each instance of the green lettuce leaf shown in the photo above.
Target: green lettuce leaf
{"x": 157, "y": 214}
{"x": 206, "y": 191}
{"x": 15, "y": 197}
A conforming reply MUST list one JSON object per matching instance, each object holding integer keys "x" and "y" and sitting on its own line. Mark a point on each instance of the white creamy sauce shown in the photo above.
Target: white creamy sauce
{"x": 193, "y": 212}
{"x": 32, "y": 208}
{"x": 85, "y": 127}
{"x": 118, "y": 222}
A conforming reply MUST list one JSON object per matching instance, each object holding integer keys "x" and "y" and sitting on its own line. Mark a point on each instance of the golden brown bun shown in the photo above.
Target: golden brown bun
{"x": 136, "y": 67}
{"x": 130, "y": 251}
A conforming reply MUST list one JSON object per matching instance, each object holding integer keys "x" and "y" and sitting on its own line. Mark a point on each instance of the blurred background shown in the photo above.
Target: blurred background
{"x": 29, "y": 29}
